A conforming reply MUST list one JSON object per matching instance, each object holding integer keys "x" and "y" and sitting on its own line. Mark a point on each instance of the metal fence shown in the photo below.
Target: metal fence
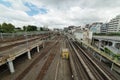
{"x": 21, "y": 34}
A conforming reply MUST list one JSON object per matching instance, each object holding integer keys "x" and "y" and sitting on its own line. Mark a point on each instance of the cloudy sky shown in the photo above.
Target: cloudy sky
{"x": 57, "y": 13}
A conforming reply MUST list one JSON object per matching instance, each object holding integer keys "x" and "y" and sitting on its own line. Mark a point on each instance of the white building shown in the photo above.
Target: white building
{"x": 83, "y": 35}
{"x": 114, "y": 25}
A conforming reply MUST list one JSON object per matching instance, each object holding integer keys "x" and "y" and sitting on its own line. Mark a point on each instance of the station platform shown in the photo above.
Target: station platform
{"x": 14, "y": 52}
{"x": 114, "y": 62}
{"x": 18, "y": 41}
{"x": 115, "y": 50}
{"x": 113, "y": 38}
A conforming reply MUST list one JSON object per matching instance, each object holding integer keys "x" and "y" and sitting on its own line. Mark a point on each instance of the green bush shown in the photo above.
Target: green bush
{"x": 107, "y": 34}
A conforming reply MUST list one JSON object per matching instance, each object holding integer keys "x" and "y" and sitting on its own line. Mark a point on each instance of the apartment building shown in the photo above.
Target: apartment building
{"x": 114, "y": 25}
{"x": 104, "y": 28}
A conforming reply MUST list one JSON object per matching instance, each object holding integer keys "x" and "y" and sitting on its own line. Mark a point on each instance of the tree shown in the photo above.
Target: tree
{"x": 41, "y": 29}
{"x": 30, "y": 28}
{"x": 24, "y": 28}
{"x": 3, "y": 26}
{"x": 7, "y": 28}
{"x": 18, "y": 29}
{"x": 10, "y": 27}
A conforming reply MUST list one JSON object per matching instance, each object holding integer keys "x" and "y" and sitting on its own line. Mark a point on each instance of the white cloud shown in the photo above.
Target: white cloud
{"x": 18, "y": 5}
{"x": 60, "y": 12}
{"x": 14, "y": 16}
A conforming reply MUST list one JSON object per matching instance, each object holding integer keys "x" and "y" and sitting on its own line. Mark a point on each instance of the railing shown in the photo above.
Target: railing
{"x": 108, "y": 37}
{"x": 18, "y": 34}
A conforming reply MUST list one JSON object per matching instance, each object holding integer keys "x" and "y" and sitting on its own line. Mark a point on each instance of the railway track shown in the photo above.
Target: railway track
{"x": 46, "y": 65}
{"x": 81, "y": 73}
{"x": 18, "y": 38}
{"x": 88, "y": 67}
{"x": 18, "y": 43}
{"x": 61, "y": 66}
{"x": 4, "y": 69}
{"x": 96, "y": 62}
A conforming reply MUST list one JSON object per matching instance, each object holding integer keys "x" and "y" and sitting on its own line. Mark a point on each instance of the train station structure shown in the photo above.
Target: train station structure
{"x": 67, "y": 56}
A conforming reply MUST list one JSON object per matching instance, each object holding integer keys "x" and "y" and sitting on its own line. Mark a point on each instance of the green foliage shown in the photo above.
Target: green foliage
{"x": 0, "y": 28}
{"x": 18, "y": 29}
{"x": 113, "y": 34}
{"x": 30, "y": 28}
{"x": 7, "y": 28}
{"x": 10, "y": 28}
{"x": 41, "y": 29}
{"x": 111, "y": 53}
{"x": 107, "y": 50}
{"x": 108, "y": 34}
{"x": 99, "y": 34}
{"x": 25, "y": 28}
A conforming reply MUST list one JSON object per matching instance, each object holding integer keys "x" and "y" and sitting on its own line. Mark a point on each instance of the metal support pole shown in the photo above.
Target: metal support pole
{"x": 93, "y": 42}
{"x": 29, "y": 55}
{"x": 113, "y": 44}
{"x": 100, "y": 58}
{"x": 26, "y": 40}
{"x": 38, "y": 49}
{"x": 99, "y": 44}
{"x": 2, "y": 36}
{"x": 11, "y": 66}
{"x": 43, "y": 44}
{"x": 112, "y": 66}
{"x": 93, "y": 53}
{"x": 13, "y": 35}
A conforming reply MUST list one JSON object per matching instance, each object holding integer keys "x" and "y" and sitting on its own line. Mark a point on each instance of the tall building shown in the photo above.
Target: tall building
{"x": 114, "y": 25}
{"x": 104, "y": 28}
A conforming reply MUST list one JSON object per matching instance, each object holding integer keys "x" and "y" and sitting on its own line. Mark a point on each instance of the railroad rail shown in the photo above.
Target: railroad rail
{"x": 79, "y": 70}
{"x": 5, "y": 46}
{"x": 46, "y": 64}
{"x": 10, "y": 52}
{"x": 88, "y": 66}
{"x": 98, "y": 64}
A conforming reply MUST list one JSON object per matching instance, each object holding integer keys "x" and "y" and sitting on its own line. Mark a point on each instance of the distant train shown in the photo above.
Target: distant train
{"x": 65, "y": 53}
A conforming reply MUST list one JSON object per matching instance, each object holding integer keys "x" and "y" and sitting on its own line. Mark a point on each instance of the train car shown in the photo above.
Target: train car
{"x": 65, "y": 53}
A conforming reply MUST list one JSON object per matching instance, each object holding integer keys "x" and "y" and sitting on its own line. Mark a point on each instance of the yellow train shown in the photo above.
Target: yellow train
{"x": 65, "y": 53}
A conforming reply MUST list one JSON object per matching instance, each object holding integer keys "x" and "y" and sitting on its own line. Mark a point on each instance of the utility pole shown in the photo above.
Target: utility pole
{"x": 1, "y": 34}
{"x": 26, "y": 37}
